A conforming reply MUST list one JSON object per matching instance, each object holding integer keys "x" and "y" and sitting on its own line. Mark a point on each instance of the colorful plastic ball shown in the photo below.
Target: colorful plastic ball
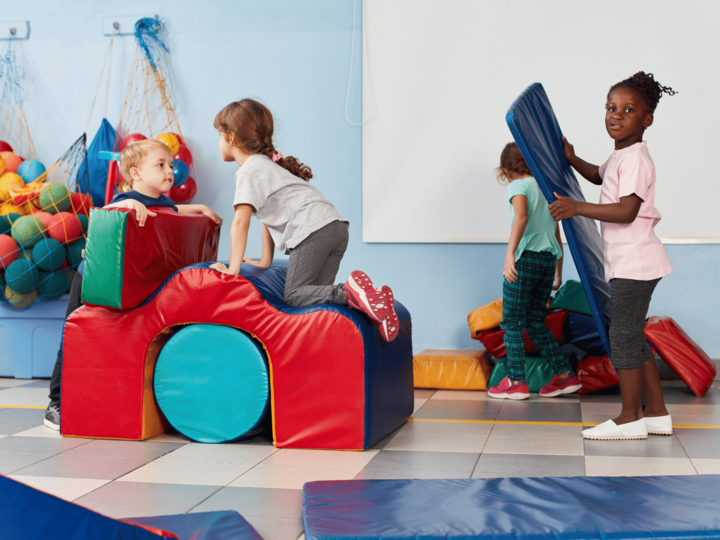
{"x": 180, "y": 138}
{"x": 55, "y": 198}
{"x": 183, "y": 154}
{"x": 27, "y": 231}
{"x": 74, "y": 252}
{"x": 5, "y": 147}
{"x": 53, "y": 285}
{"x": 132, "y": 138}
{"x": 65, "y": 228}
{"x": 180, "y": 173}
{"x": 6, "y": 222}
{"x": 30, "y": 169}
{"x": 182, "y": 194}
{"x": 12, "y": 161}
{"x": 18, "y": 299}
{"x": 171, "y": 140}
{"x": 80, "y": 203}
{"x": 8, "y": 181}
{"x": 48, "y": 255}
{"x": 21, "y": 276}
{"x": 2, "y": 165}
{"x": 83, "y": 223}
{"x": 8, "y": 251}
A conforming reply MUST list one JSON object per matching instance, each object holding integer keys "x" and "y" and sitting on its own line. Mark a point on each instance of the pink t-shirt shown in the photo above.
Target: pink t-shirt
{"x": 631, "y": 250}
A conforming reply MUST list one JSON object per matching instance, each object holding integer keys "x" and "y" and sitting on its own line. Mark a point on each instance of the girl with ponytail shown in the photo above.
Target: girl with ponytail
{"x": 296, "y": 219}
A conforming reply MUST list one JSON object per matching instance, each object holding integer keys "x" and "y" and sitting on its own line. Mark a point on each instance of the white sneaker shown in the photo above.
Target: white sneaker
{"x": 659, "y": 425}
{"x": 610, "y": 431}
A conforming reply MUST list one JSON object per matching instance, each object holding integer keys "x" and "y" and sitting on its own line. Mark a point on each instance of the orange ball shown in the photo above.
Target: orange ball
{"x": 80, "y": 203}
{"x": 64, "y": 227}
{"x": 44, "y": 218}
{"x": 12, "y": 161}
{"x": 171, "y": 140}
{"x": 8, "y": 250}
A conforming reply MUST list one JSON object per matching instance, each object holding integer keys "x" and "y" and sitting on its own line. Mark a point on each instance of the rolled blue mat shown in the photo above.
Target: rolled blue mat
{"x": 212, "y": 383}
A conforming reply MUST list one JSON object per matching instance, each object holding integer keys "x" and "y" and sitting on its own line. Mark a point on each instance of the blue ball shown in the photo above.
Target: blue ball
{"x": 22, "y": 276}
{"x": 180, "y": 173}
{"x": 2, "y": 280}
{"x": 48, "y": 254}
{"x": 30, "y": 169}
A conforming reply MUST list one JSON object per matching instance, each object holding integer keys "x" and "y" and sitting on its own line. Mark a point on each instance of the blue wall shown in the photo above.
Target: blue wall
{"x": 295, "y": 56}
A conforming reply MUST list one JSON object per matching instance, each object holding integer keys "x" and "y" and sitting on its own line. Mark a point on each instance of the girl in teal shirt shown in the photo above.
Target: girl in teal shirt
{"x": 533, "y": 260}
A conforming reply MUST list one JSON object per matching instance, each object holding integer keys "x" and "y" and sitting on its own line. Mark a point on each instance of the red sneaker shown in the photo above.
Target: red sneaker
{"x": 366, "y": 298}
{"x": 391, "y": 325}
{"x": 510, "y": 390}
{"x": 558, "y": 386}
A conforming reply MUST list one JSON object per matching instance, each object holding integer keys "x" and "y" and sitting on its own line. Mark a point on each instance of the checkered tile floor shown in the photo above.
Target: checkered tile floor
{"x": 452, "y": 435}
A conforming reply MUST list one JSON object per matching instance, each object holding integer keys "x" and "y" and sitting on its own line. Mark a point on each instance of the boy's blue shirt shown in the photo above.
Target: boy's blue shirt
{"x": 162, "y": 200}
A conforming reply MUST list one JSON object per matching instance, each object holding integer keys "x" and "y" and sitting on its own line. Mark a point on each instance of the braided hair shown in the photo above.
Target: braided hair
{"x": 251, "y": 125}
{"x": 647, "y": 86}
{"x": 511, "y": 160}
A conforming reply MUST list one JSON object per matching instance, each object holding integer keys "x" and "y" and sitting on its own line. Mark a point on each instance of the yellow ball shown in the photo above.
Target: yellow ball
{"x": 9, "y": 208}
{"x": 7, "y": 182}
{"x": 19, "y": 300}
{"x": 171, "y": 140}
{"x": 2, "y": 165}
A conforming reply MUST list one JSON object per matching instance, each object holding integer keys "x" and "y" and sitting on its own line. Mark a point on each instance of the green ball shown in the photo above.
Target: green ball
{"x": 53, "y": 285}
{"x": 21, "y": 276}
{"x": 6, "y": 222}
{"x": 27, "y": 231}
{"x": 83, "y": 223}
{"x": 48, "y": 254}
{"x": 74, "y": 252}
{"x": 55, "y": 198}
{"x": 2, "y": 280}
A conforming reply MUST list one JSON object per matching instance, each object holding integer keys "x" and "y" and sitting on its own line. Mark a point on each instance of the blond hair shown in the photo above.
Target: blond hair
{"x": 134, "y": 155}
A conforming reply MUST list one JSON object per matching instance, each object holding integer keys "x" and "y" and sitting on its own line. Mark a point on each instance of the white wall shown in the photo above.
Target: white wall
{"x": 442, "y": 75}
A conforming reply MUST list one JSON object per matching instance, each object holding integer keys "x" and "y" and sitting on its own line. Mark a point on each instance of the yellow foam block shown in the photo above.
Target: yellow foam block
{"x": 452, "y": 370}
{"x": 487, "y": 317}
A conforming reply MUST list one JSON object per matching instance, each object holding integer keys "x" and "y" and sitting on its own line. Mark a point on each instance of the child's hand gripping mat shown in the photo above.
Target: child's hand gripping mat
{"x": 587, "y": 508}
{"x": 537, "y": 133}
{"x": 125, "y": 263}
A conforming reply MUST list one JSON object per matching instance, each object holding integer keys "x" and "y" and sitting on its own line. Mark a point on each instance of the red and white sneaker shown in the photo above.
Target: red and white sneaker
{"x": 558, "y": 386}
{"x": 390, "y": 327}
{"x": 510, "y": 390}
{"x": 366, "y": 298}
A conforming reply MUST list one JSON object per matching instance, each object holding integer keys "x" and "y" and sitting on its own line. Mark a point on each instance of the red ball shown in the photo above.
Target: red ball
{"x": 44, "y": 218}
{"x": 64, "y": 227}
{"x": 133, "y": 137}
{"x": 8, "y": 250}
{"x": 179, "y": 137}
{"x": 5, "y": 147}
{"x": 183, "y": 193}
{"x": 183, "y": 154}
{"x": 12, "y": 161}
{"x": 80, "y": 203}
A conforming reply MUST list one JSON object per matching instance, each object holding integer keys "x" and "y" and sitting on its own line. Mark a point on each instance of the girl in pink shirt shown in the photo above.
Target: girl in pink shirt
{"x": 633, "y": 257}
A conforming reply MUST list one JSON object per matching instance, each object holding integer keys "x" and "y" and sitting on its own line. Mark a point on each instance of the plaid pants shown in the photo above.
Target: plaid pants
{"x": 524, "y": 307}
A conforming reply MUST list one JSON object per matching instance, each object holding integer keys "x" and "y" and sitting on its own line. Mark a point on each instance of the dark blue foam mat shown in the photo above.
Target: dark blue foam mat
{"x": 657, "y": 507}
{"x": 224, "y": 525}
{"x": 537, "y": 133}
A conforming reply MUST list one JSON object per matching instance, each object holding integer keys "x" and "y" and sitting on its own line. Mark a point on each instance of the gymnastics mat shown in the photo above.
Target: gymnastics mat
{"x": 537, "y": 133}
{"x": 657, "y": 507}
{"x": 27, "y": 513}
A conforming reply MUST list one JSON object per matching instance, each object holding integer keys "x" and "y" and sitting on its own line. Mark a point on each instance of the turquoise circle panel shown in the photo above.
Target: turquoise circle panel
{"x": 212, "y": 384}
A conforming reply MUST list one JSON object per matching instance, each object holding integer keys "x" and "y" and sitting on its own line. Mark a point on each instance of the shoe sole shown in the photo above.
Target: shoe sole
{"x": 621, "y": 438}
{"x": 390, "y": 326}
{"x": 377, "y": 315}
{"x": 509, "y": 396}
{"x": 665, "y": 433}
{"x": 563, "y": 391}
{"x": 51, "y": 425}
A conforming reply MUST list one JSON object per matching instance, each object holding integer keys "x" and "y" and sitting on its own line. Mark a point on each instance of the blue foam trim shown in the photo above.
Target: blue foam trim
{"x": 29, "y": 514}
{"x": 212, "y": 383}
{"x": 537, "y": 133}
{"x": 388, "y": 366}
{"x": 602, "y": 508}
{"x": 223, "y": 525}
{"x": 581, "y": 331}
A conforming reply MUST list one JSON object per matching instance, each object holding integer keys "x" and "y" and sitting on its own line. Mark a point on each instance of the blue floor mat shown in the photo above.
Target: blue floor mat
{"x": 657, "y": 507}
{"x": 537, "y": 133}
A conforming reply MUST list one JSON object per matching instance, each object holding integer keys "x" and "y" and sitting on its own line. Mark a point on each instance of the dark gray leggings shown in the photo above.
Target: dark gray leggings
{"x": 313, "y": 265}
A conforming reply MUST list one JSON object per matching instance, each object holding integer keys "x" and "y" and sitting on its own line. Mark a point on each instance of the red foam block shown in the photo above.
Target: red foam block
{"x": 493, "y": 340}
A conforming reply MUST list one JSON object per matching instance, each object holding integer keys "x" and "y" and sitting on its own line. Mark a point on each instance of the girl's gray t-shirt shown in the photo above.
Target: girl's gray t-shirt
{"x": 291, "y": 208}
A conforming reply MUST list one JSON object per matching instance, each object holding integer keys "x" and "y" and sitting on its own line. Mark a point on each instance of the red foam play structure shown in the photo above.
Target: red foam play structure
{"x": 493, "y": 340}
{"x": 596, "y": 373}
{"x": 682, "y": 354}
